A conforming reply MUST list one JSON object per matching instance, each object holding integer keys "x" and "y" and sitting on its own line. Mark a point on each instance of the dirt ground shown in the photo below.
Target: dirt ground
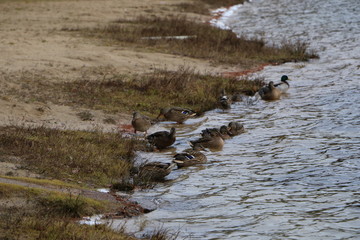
{"x": 31, "y": 42}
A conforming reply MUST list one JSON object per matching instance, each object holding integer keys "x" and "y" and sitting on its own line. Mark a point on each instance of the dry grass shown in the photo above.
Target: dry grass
{"x": 148, "y": 93}
{"x": 161, "y": 88}
{"x": 204, "y": 41}
{"x": 94, "y": 158}
{"x": 48, "y": 215}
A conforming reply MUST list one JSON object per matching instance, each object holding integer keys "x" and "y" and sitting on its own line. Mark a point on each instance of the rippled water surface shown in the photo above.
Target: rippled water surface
{"x": 295, "y": 173}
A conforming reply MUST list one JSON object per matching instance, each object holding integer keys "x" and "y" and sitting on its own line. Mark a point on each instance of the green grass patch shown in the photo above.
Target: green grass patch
{"x": 204, "y": 41}
{"x": 94, "y": 158}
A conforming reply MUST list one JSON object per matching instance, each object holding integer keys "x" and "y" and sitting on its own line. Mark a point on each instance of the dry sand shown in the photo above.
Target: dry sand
{"x": 32, "y": 42}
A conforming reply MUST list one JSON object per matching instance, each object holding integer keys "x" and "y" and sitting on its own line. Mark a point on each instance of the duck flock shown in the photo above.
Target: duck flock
{"x": 211, "y": 138}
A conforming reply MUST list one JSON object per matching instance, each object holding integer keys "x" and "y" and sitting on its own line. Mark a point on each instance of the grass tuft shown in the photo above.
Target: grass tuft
{"x": 161, "y": 88}
{"x": 95, "y": 158}
{"x": 204, "y": 41}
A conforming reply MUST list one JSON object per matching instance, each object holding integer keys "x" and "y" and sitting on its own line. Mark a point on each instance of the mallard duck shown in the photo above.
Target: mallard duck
{"x": 162, "y": 139}
{"x": 224, "y": 101}
{"x": 235, "y": 128}
{"x": 176, "y": 114}
{"x": 212, "y": 140}
{"x": 283, "y": 86}
{"x": 269, "y": 92}
{"x": 238, "y": 97}
{"x": 155, "y": 171}
{"x": 209, "y": 132}
{"x": 140, "y": 122}
{"x": 224, "y": 131}
{"x": 190, "y": 157}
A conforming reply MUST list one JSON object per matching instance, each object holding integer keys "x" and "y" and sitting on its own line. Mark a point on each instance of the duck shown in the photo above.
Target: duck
{"x": 224, "y": 131}
{"x": 155, "y": 171}
{"x": 237, "y": 97}
{"x": 140, "y": 122}
{"x": 162, "y": 139}
{"x": 269, "y": 92}
{"x": 224, "y": 101}
{"x": 211, "y": 140}
{"x": 235, "y": 128}
{"x": 283, "y": 85}
{"x": 190, "y": 157}
{"x": 176, "y": 114}
{"x": 209, "y": 132}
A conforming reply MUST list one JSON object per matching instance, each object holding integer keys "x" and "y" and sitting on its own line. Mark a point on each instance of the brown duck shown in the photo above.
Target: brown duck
{"x": 176, "y": 114}
{"x": 270, "y": 92}
{"x": 225, "y": 133}
{"x": 235, "y": 128}
{"x": 140, "y": 122}
{"x": 212, "y": 140}
{"x": 155, "y": 171}
{"x": 162, "y": 139}
{"x": 190, "y": 157}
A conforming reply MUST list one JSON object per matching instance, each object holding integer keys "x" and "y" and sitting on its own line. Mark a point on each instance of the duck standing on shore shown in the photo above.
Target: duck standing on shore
{"x": 269, "y": 92}
{"x": 162, "y": 139}
{"x": 283, "y": 86}
{"x": 176, "y": 114}
{"x": 140, "y": 122}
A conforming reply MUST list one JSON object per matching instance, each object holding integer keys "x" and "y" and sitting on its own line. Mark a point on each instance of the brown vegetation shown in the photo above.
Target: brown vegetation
{"x": 179, "y": 35}
{"x": 151, "y": 92}
{"x": 93, "y": 158}
{"x": 39, "y": 214}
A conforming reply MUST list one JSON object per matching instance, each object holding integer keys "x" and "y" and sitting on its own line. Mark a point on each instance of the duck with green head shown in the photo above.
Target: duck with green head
{"x": 283, "y": 85}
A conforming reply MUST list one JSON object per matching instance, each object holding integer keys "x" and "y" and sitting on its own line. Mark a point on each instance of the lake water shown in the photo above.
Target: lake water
{"x": 295, "y": 173}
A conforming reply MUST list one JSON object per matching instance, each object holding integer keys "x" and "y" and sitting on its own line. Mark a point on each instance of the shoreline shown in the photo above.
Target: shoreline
{"x": 37, "y": 46}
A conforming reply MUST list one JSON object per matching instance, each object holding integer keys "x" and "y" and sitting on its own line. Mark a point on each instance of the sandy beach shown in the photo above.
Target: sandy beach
{"x": 34, "y": 45}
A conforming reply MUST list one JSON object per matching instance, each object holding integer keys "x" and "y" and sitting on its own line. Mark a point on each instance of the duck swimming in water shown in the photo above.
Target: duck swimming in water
{"x": 162, "y": 139}
{"x": 190, "y": 157}
{"x": 176, "y": 114}
{"x": 270, "y": 92}
{"x": 155, "y": 171}
{"x": 211, "y": 138}
{"x": 235, "y": 128}
{"x": 224, "y": 101}
{"x": 283, "y": 86}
